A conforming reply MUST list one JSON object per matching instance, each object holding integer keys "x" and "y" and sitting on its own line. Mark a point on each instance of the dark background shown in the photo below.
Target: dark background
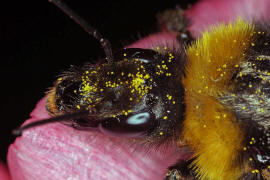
{"x": 38, "y": 42}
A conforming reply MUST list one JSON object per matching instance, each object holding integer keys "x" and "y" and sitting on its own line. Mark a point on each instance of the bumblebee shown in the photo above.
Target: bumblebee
{"x": 212, "y": 97}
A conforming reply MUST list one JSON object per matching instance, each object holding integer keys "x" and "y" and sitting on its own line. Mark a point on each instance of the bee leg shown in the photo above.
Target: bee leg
{"x": 180, "y": 171}
{"x": 174, "y": 21}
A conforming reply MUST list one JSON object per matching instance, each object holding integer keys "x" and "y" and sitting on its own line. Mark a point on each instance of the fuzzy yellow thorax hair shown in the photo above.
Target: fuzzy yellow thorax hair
{"x": 210, "y": 129}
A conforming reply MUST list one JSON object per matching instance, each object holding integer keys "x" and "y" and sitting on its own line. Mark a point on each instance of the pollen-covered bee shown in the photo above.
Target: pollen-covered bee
{"x": 212, "y": 97}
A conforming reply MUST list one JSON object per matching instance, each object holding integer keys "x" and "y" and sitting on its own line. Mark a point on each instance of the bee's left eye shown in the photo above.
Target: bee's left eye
{"x": 133, "y": 125}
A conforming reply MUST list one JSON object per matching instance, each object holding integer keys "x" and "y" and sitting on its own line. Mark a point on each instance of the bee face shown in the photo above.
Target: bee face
{"x": 124, "y": 98}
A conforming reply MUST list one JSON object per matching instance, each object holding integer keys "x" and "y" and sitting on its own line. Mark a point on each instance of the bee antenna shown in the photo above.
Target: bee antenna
{"x": 105, "y": 43}
{"x": 18, "y": 131}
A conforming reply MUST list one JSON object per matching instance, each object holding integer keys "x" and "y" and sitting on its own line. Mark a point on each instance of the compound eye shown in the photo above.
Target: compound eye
{"x": 134, "y": 125}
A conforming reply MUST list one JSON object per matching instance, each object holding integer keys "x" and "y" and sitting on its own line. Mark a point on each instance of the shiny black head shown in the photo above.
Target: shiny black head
{"x": 140, "y": 93}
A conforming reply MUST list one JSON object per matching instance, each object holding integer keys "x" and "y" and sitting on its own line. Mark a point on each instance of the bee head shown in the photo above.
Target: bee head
{"x": 124, "y": 95}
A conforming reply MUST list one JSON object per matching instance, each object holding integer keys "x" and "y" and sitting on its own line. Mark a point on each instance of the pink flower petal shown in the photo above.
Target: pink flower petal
{"x": 212, "y": 12}
{"x": 4, "y": 174}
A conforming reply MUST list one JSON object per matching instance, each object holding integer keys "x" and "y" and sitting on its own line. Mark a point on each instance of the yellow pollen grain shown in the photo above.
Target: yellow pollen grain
{"x": 244, "y": 108}
{"x": 86, "y": 72}
{"x": 60, "y": 79}
{"x": 261, "y": 109}
{"x": 240, "y": 74}
{"x": 252, "y": 44}
{"x": 130, "y": 99}
{"x": 125, "y": 54}
{"x": 173, "y": 102}
{"x": 204, "y": 126}
{"x": 199, "y": 91}
{"x": 161, "y": 133}
{"x": 244, "y": 148}
{"x": 250, "y": 86}
{"x": 165, "y": 117}
{"x": 78, "y": 107}
{"x": 250, "y": 159}
{"x": 197, "y": 107}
